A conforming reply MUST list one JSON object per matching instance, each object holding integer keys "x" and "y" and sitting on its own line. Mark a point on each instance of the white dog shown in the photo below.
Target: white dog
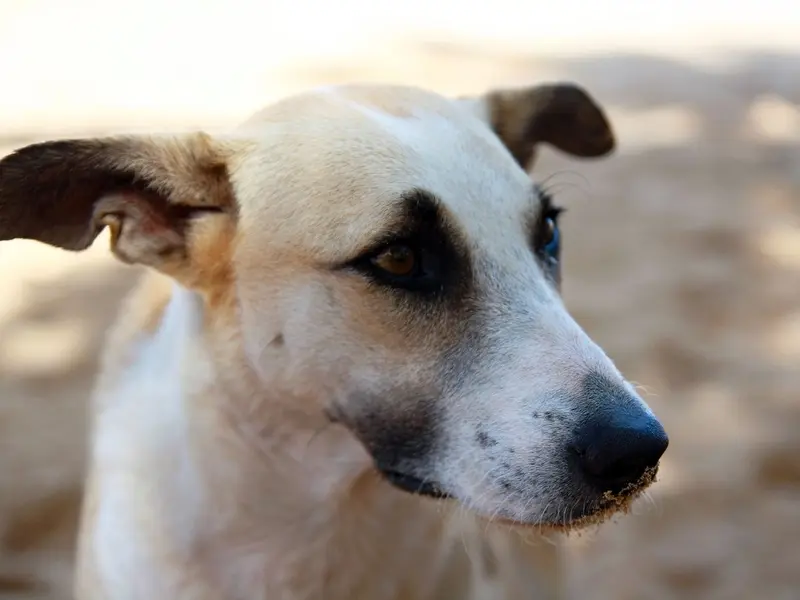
{"x": 351, "y": 325}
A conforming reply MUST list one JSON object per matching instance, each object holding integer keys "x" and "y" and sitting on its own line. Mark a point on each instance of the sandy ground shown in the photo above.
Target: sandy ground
{"x": 682, "y": 259}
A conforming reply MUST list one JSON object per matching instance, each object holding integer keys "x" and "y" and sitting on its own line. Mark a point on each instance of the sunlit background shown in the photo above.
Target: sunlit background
{"x": 682, "y": 253}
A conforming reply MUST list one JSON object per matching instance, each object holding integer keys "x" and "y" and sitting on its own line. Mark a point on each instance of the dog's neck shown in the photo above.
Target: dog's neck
{"x": 186, "y": 481}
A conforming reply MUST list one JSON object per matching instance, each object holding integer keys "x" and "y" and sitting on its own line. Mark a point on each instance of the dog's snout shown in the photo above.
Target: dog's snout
{"x": 616, "y": 450}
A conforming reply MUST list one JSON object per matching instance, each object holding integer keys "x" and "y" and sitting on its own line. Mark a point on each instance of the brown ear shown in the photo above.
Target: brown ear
{"x": 145, "y": 189}
{"x": 560, "y": 114}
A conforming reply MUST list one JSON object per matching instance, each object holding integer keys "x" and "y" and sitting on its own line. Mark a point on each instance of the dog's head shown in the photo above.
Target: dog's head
{"x": 388, "y": 262}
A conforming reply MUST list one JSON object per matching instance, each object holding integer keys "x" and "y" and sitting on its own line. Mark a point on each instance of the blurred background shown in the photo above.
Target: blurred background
{"x": 682, "y": 252}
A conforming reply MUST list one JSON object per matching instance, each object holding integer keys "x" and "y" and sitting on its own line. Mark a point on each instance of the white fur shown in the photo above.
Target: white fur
{"x": 141, "y": 436}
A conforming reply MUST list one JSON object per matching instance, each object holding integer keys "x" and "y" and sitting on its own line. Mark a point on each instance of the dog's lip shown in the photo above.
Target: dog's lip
{"x": 605, "y": 507}
{"x": 575, "y": 522}
{"x": 413, "y": 484}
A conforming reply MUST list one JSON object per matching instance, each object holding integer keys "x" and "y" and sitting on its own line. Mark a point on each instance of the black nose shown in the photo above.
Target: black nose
{"x": 616, "y": 449}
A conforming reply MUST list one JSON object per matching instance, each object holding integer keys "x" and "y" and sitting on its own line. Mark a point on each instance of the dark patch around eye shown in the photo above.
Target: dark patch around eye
{"x": 424, "y": 227}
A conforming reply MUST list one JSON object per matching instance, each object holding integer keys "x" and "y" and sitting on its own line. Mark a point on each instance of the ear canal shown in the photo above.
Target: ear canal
{"x": 145, "y": 189}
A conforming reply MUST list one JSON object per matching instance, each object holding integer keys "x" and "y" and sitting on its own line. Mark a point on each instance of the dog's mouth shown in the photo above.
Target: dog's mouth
{"x": 414, "y": 485}
{"x": 608, "y": 506}
{"x": 611, "y": 504}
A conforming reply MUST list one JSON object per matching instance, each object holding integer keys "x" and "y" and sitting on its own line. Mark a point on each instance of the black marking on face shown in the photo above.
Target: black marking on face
{"x": 550, "y": 416}
{"x": 423, "y": 227}
{"x": 394, "y": 439}
{"x": 484, "y": 439}
{"x": 401, "y": 433}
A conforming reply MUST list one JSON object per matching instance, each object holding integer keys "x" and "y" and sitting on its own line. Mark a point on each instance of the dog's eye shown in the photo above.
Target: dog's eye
{"x": 550, "y": 236}
{"x": 409, "y": 265}
{"x": 398, "y": 260}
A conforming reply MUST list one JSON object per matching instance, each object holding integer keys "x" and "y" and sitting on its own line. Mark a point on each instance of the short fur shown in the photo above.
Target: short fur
{"x": 258, "y": 387}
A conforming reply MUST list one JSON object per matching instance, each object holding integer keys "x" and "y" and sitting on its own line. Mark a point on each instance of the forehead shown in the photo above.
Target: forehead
{"x": 330, "y": 168}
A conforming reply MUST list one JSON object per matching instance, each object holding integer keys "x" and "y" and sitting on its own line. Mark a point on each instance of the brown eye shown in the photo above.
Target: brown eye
{"x": 400, "y": 261}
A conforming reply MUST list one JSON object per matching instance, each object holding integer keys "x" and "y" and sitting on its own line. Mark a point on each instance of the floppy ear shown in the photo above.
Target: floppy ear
{"x": 144, "y": 189}
{"x": 560, "y": 114}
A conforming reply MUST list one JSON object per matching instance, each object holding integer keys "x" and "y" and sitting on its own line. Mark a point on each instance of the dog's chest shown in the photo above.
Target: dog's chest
{"x": 368, "y": 558}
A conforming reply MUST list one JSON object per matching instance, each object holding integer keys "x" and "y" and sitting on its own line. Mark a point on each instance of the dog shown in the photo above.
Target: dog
{"x": 348, "y": 372}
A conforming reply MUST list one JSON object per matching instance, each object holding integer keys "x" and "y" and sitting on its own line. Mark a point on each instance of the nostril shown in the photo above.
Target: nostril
{"x": 623, "y": 471}
{"x": 613, "y": 472}
{"x": 616, "y": 456}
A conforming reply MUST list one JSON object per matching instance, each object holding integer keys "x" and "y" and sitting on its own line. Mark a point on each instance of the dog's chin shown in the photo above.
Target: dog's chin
{"x": 414, "y": 485}
{"x": 604, "y": 508}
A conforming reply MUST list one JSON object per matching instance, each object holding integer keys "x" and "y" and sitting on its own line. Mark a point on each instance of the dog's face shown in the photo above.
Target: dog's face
{"x": 391, "y": 265}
